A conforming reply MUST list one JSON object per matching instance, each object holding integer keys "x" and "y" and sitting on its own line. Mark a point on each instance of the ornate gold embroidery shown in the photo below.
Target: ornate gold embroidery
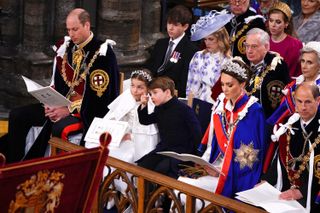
{"x": 317, "y": 167}
{"x": 41, "y": 193}
{"x": 77, "y": 57}
{"x": 246, "y": 155}
{"x": 258, "y": 81}
{"x": 239, "y": 33}
{"x": 241, "y": 46}
{"x": 274, "y": 89}
{"x": 294, "y": 175}
{"x": 99, "y": 80}
{"x": 75, "y": 105}
{"x": 77, "y": 79}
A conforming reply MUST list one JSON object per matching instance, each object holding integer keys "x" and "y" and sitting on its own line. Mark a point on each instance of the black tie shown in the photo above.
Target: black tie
{"x": 234, "y": 25}
{"x": 257, "y": 68}
{"x": 166, "y": 57}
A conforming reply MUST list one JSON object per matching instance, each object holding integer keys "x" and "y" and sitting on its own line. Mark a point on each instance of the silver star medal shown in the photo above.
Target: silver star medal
{"x": 246, "y": 155}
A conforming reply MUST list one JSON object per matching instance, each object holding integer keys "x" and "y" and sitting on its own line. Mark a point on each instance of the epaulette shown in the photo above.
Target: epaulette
{"x": 276, "y": 60}
{"x": 251, "y": 18}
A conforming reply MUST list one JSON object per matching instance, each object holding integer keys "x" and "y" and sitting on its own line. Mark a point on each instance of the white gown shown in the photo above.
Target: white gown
{"x": 144, "y": 138}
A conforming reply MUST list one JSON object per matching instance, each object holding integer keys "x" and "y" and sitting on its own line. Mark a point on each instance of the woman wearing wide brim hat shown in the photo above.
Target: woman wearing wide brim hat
{"x": 204, "y": 68}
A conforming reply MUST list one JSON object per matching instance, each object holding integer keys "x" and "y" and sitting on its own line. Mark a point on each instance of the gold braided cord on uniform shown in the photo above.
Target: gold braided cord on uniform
{"x": 302, "y": 166}
{"x": 258, "y": 80}
{"x": 76, "y": 81}
{"x": 77, "y": 57}
{"x": 75, "y": 105}
{"x": 239, "y": 33}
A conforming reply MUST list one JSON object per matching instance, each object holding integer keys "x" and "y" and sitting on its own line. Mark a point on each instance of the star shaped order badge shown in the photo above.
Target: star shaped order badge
{"x": 246, "y": 155}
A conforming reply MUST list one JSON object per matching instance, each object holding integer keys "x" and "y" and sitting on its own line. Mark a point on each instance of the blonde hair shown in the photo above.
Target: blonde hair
{"x": 222, "y": 36}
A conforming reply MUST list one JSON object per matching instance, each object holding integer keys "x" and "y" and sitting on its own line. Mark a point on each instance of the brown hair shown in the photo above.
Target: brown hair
{"x": 313, "y": 88}
{"x": 222, "y": 36}
{"x": 179, "y": 14}
{"x": 84, "y": 17}
{"x": 162, "y": 83}
{"x": 289, "y": 29}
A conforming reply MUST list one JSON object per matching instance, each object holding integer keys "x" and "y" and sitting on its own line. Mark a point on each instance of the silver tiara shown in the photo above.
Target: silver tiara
{"x": 142, "y": 73}
{"x": 230, "y": 66}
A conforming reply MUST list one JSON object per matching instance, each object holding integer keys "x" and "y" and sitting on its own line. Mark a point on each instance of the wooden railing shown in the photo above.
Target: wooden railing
{"x": 139, "y": 196}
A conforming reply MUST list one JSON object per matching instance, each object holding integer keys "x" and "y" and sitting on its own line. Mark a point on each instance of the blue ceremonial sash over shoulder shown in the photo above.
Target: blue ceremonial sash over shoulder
{"x": 239, "y": 172}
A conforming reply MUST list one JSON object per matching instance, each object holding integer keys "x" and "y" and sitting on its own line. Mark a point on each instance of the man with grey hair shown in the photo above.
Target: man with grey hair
{"x": 270, "y": 72}
{"x": 245, "y": 18}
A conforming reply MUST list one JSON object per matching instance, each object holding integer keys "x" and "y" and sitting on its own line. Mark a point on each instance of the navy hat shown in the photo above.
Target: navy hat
{"x": 209, "y": 24}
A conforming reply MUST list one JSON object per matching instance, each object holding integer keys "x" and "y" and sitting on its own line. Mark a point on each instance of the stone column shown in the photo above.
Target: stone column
{"x": 150, "y": 22}
{"x": 119, "y": 20}
{"x": 9, "y": 23}
{"x": 61, "y": 10}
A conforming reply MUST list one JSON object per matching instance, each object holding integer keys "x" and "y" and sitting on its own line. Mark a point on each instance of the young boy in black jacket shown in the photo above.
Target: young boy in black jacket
{"x": 179, "y": 129}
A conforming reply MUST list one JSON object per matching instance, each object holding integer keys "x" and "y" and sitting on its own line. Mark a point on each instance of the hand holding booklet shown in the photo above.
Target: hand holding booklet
{"x": 46, "y": 95}
{"x": 267, "y": 197}
{"x": 193, "y": 158}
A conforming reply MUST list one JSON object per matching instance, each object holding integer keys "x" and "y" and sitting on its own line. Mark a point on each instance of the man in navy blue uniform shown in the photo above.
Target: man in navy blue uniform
{"x": 85, "y": 72}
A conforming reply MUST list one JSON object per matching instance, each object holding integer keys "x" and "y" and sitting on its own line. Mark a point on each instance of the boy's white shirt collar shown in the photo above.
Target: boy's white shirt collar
{"x": 176, "y": 41}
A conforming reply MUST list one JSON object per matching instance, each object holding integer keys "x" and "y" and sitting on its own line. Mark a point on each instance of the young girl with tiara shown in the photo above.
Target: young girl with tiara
{"x": 139, "y": 139}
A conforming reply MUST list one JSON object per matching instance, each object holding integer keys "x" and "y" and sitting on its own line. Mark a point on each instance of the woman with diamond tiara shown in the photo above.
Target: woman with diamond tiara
{"x": 235, "y": 140}
{"x": 205, "y": 66}
{"x": 139, "y": 139}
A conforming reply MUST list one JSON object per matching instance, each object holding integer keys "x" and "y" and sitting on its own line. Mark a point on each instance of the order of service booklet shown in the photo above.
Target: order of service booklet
{"x": 192, "y": 158}
{"x": 267, "y": 197}
{"x": 115, "y": 128}
{"x": 46, "y": 95}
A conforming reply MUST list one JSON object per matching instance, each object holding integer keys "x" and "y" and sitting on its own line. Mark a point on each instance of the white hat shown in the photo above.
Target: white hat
{"x": 209, "y": 24}
{"x": 314, "y": 45}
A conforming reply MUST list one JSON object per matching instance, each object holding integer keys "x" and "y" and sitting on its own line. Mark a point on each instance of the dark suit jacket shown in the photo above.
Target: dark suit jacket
{"x": 178, "y": 72}
{"x": 179, "y": 128}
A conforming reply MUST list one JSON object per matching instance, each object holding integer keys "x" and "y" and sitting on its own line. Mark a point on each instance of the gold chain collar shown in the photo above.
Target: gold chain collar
{"x": 258, "y": 80}
{"x": 239, "y": 33}
{"x": 302, "y": 166}
{"x": 77, "y": 79}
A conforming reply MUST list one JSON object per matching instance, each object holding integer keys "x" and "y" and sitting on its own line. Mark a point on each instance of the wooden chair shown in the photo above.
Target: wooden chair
{"x": 202, "y": 109}
{"x": 67, "y": 182}
{"x": 121, "y": 82}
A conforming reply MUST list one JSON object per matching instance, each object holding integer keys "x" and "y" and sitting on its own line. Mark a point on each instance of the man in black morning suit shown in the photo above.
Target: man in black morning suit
{"x": 175, "y": 63}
